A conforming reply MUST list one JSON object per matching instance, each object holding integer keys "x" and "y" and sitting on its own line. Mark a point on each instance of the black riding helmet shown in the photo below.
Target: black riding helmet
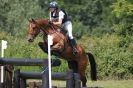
{"x": 53, "y": 4}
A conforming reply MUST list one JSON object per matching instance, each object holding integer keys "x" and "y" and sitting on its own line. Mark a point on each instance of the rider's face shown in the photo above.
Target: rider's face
{"x": 51, "y": 9}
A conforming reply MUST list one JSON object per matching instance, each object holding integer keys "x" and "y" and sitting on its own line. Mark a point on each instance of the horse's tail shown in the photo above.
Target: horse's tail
{"x": 93, "y": 66}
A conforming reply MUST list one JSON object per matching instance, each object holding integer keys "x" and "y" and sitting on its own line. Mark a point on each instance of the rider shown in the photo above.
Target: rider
{"x": 60, "y": 17}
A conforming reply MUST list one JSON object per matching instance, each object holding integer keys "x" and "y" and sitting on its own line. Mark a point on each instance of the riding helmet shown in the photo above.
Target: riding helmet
{"x": 53, "y": 4}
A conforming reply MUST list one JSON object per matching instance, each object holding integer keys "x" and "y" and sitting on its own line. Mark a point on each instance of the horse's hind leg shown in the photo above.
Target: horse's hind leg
{"x": 84, "y": 80}
{"x": 79, "y": 67}
{"x": 82, "y": 65}
{"x": 73, "y": 65}
{"x": 83, "y": 77}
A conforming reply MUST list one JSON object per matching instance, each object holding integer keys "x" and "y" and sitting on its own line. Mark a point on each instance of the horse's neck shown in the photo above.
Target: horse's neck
{"x": 52, "y": 29}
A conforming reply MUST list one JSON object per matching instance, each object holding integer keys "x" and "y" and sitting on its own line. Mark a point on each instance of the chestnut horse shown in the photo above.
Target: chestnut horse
{"x": 62, "y": 48}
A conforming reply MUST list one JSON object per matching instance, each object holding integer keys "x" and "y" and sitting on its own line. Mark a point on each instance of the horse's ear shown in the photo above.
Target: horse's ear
{"x": 33, "y": 20}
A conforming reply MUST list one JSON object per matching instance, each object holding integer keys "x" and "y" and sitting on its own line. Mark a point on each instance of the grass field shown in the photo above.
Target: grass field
{"x": 103, "y": 84}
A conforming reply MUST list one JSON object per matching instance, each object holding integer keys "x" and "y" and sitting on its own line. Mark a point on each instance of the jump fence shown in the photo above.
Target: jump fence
{"x": 20, "y": 77}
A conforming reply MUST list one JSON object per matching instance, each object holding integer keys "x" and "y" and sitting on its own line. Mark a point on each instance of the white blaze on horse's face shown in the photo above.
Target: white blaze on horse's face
{"x": 32, "y": 32}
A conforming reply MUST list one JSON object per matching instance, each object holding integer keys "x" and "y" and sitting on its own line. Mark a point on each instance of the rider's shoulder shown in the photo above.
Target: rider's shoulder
{"x": 61, "y": 12}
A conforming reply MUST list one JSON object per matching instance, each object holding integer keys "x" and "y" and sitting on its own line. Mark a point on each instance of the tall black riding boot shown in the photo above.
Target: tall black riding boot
{"x": 73, "y": 44}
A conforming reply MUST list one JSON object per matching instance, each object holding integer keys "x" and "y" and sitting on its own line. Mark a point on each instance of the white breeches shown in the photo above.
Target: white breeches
{"x": 68, "y": 27}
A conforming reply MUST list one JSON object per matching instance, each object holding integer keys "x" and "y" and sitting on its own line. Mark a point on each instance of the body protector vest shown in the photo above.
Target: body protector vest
{"x": 56, "y": 15}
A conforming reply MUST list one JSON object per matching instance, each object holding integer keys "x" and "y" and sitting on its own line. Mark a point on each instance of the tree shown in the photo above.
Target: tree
{"x": 123, "y": 12}
{"x": 16, "y": 14}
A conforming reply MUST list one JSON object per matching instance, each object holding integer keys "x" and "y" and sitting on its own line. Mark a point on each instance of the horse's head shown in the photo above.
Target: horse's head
{"x": 33, "y": 30}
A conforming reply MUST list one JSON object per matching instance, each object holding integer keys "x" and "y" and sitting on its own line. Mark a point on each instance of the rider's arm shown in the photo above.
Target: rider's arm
{"x": 59, "y": 21}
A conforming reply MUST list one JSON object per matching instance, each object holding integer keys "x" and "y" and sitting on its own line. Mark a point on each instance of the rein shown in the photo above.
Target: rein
{"x": 52, "y": 27}
{"x": 42, "y": 28}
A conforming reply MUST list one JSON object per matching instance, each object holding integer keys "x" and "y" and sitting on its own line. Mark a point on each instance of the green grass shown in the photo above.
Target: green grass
{"x": 112, "y": 84}
{"x": 102, "y": 84}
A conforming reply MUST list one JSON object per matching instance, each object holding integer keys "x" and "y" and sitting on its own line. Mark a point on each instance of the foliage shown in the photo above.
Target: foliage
{"x": 16, "y": 14}
{"x": 113, "y": 55}
{"x": 102, "y": 27}
{"x": 123, "y": 12}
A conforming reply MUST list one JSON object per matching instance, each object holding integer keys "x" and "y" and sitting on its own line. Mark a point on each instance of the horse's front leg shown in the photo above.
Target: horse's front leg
{"x": 43, "y": 46}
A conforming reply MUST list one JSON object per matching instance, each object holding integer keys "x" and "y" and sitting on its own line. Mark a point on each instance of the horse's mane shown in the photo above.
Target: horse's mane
{"x": 45, "y": 22}
{"x": 42, "y": 21}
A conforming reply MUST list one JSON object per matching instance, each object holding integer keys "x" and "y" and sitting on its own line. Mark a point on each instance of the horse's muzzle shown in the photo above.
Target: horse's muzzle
{"x": 30, "y": 40}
